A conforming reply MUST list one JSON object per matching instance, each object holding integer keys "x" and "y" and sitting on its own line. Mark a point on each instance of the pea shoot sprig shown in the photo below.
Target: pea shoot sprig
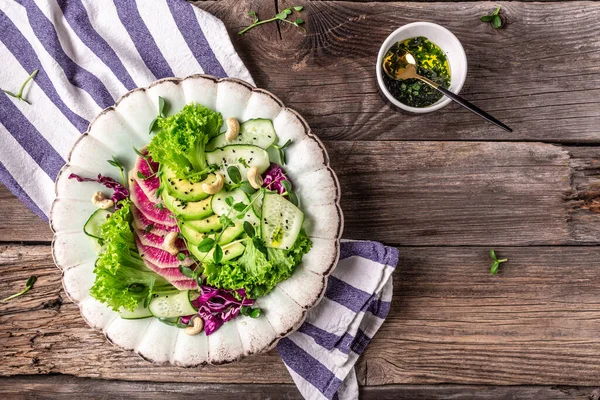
{"x": 162, "y": 112}
{"x": 281, "y": 16}
{"x": 117, "y": 164}
{"x": 280, "y": 150}
{"x": 496, "y": 262}
{"x": 495, "y": 19}
{"x": 19, "y": 94}
{"x": 28, "y": 285}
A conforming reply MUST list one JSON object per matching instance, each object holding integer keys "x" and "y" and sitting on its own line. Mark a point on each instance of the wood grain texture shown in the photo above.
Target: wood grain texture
{"x": 443, "y": 193}
{"x": 20, "y": 224}
{"x": 522, "y": 74}
{"x": 66, "y": 386}
{"x": 450, "y": 322}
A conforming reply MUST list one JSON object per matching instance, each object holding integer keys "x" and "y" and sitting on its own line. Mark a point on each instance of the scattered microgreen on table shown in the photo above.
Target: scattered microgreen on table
{"x": 19, "y": 95}
{"x": 494, "y": 19}
{"x": 496, "y": 262}
{"x": 281, "y": 16}
{"x": 28, "y": 285}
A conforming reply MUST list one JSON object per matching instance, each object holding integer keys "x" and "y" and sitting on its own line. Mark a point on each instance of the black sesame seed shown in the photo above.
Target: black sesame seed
{"x": 269, "y": 136}
{"x": 191, "y": 190}
{"x": 185, "y": 192}
{"x": 251, "y": 151}
{"x": 226, "y": 252}
{"x": 233, "y": 151}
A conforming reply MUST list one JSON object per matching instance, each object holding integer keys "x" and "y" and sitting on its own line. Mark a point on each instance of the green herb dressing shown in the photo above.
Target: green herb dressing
{"x": 432, "y": 63}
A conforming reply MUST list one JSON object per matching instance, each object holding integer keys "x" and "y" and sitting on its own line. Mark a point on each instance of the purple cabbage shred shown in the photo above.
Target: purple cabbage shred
{"x": 120, "y": 192}
{"x": 273, "y": 177}
{"x": 217, "y": 306}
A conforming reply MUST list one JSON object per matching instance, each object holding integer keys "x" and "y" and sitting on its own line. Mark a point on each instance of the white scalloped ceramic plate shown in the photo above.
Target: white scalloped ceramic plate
{"x": 114, "y": 132}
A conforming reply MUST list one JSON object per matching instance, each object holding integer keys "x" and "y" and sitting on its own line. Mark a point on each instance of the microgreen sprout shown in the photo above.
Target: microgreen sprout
{"x": 19, "y": 95}
{"x": 162, "y": 107}
{"x": 116, "y": 163}
{"x": 494, "y": 19}
{"x": 281, "y": 16}
{"x": 496, "y": 262}
{"x": 28, "y": 285}
{"x": 281, "y": 149}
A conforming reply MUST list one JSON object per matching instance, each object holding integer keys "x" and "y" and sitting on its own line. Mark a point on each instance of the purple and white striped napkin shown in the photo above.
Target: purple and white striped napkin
{"x": 88, "y": 54}
{"x": 320, "y": 356}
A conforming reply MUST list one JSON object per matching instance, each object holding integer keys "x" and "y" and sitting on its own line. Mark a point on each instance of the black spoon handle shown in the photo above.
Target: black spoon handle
{"x": 472, "y": 108}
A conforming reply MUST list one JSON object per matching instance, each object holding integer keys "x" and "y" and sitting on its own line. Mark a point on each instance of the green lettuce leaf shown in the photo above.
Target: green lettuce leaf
{"x": 181, "y": 139}
{"x": 122, "y": 278}
{"x": 256, "y": 272}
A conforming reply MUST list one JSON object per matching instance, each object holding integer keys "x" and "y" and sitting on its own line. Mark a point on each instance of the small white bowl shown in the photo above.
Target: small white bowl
{"x": 446, "y": 41}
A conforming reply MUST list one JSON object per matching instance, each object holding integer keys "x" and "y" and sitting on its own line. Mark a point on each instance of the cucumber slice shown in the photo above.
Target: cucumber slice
{"x": 281, "y": 222}
{"x": 220, "y": 207}
{"x": 230, "y": 252}
{"x": 184, "y": 189}
{"x": 258, "y": 132}
{"x": 94, "y": 222}
{"x": 208, "y": 224}
{"x": 172, "y": 305}
{"x": 227, "y": 156}
{"x": 138, "y": 313}
{"x": 188, "y": 210}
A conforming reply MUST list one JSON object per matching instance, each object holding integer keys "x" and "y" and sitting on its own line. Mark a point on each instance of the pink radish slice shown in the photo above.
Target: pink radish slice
{"x": 153, "y": 240}
{"x": 189, "y": 284}
{"x": 146, "y": 206}
{"x": 170, "y": 274}
{"x": 161, "y": 258}
{"x": 141, "y": 222}
{"x": 148, "y": 185}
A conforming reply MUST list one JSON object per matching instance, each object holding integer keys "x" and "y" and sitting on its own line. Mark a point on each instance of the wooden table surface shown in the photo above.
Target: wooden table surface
{"x": 444, "y": 187}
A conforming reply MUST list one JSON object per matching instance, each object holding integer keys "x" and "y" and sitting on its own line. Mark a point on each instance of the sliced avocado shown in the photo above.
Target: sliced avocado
{"x": 230, "y": 252}
{"x": 229, "y": 235}
{"x": 184, "y": 189}
{"x": 187, "y": 210}
{"x": 211, "y": 223}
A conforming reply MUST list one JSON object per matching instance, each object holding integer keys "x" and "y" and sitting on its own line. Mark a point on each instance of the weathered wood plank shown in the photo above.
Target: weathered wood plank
{"x": 63, "y": 386}
{"x": 450, "y": 322}
{"x": 18, "y": 222}
{"x": 443, "y": 193}
{"x": 517, "y": 74}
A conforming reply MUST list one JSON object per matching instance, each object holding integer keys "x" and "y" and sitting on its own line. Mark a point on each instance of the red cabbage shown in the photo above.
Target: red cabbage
{"x": 120, "y": 191}
{"x": 217, "y": 306}
{"x": 273, "y": 177}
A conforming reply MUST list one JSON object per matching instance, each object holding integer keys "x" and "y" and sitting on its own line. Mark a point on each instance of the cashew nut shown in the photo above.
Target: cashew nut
{"x": 254, "y": 178}
{"x": 100, "y": 201}
{"x": 169, "y": 243}
{"x": 214, "y": 187}
{"x": 233, "y": 129}
{"x": 196, "y": 328}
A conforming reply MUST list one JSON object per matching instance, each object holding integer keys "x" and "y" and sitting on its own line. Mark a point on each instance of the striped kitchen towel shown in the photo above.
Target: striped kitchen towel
{"x": 321, "y": 355}
{"x": 89, "y": 53}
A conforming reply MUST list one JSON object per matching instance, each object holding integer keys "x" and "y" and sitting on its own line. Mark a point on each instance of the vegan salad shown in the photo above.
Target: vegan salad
{"x": 205, "y": 223}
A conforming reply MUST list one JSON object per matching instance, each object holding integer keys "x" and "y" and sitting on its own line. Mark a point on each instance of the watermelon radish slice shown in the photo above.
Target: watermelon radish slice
{"x": 149, "y": 185}
{"x": 142, "y": 223}
{"x": 157, "y": 215}
{"x": 170, "y": 274}
{"x": 189, "y": 284}
{"x": 153, "y": 240}
{"x": 161, "y": 258}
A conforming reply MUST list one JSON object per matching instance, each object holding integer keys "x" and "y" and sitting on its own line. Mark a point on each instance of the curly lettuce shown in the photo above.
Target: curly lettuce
{"x": 255, "y": 272}
{"x": 180, "y": 141}
{"x": 122, "y": 278}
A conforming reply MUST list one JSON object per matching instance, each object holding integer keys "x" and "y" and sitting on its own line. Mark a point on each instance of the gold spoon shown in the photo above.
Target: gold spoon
{"x": 406, "y": 68}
